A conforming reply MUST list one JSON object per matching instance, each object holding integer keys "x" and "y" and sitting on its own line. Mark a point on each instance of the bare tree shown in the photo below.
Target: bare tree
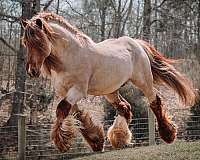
{"x": 29, "y": 7}
{"x": 147, "y": 20}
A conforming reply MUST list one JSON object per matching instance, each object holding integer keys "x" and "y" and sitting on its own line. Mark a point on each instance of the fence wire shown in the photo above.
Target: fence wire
{"x": 39, "y": 146}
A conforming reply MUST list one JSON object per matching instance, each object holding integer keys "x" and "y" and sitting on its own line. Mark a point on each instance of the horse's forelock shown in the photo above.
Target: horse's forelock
{"x": 34, "y": 37}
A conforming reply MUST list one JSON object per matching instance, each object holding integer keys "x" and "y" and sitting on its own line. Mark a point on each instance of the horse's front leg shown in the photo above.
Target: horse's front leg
{"x": 64, "y": 131}
{"x": 91, "y": 130}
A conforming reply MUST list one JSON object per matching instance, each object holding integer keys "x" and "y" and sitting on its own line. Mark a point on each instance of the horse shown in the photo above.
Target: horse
{"x": 79, "y": 67}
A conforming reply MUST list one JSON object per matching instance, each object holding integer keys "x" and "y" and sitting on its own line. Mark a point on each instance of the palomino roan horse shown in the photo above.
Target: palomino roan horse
{"x": 78, "y": 66}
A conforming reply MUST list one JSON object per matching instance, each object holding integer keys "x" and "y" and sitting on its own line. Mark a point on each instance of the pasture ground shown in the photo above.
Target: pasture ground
{"x": 179, "y": 150}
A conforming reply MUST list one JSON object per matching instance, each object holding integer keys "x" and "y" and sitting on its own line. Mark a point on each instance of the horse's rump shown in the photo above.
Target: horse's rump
{"x": 163, "y": 71}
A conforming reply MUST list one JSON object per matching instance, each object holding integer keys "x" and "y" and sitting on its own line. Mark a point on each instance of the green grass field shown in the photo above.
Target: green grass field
{"x": 177, "y": 151}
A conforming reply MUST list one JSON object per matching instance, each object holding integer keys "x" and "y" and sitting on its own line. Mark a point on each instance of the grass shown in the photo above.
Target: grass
{"x": 176, "y": 151}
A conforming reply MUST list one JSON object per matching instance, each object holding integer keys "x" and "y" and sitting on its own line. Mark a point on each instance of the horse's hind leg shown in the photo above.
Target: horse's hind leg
{"x": 120, "y": 104}
{"x": 166, "y": 128}
{"x": 119, "y": 134}
{"x": 144, "y": 81}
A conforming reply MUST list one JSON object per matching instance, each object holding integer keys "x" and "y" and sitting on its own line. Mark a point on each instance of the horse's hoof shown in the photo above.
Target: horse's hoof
{"x": 167, "y": 131}
{"x": 125, "y": 146}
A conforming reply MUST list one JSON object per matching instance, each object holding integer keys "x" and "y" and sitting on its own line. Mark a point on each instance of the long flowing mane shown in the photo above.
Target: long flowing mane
{"x": 52, "y": 17}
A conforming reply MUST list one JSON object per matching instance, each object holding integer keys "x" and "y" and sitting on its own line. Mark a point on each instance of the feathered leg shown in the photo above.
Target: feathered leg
{"x": 119, "y": 134}
{"x": 92, "y": 132}
{"x": 166, "y": 128}
{"x": 63, "y": 130}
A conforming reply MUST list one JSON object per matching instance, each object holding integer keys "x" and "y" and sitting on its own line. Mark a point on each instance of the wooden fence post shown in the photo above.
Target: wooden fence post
{"x": 21, "y": 137}
{"x": 151, "y": 123}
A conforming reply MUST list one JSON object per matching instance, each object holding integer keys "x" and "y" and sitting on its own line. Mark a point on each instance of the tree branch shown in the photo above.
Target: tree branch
{"x": 3, "y": 16}
{"x": 160, "y": 5}
{"x": 75, "y": 11}
{"x": 8, "y": 45}
{"x": 47, "y": 5}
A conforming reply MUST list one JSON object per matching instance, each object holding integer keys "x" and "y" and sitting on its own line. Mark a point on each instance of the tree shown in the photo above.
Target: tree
{"x": 147, "y": 20}
{"x": 29, "y": 8}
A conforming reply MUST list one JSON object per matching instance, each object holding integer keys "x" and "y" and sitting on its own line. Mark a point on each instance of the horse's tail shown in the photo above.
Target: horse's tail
{"x": 164, "y": 71}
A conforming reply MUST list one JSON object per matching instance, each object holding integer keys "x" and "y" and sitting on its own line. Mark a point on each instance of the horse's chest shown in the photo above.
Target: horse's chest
{"x": 61, "y": 84}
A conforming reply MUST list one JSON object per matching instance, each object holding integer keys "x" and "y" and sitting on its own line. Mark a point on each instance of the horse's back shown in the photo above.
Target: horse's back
{"x": 113, "y": 66}
{"x": 116, "y": 61}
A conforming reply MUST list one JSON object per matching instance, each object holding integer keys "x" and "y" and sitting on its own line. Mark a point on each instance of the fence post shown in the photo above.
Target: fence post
{"x": 151, "y": 123}
{"x": 21, "y": 137}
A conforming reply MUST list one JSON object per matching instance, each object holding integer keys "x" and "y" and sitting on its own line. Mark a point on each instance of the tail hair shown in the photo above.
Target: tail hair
{"x": 163, "y": 71}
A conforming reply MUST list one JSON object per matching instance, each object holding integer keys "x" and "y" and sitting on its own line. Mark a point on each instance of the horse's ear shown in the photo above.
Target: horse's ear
{"x": 39, "y": 23}
{"x": 23, "y": 23}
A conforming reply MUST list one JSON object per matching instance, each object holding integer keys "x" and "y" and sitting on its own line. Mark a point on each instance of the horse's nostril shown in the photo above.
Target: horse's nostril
{"x": 34, "y": 73}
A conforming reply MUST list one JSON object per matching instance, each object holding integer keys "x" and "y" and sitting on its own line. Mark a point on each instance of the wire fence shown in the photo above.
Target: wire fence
{"x": 39, "y": 146}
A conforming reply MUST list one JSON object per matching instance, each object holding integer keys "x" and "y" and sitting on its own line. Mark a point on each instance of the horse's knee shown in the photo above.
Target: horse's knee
{"x": 63, "y": 109}
{"x": 121, "y": 105}
{"x": 126, "y": 112}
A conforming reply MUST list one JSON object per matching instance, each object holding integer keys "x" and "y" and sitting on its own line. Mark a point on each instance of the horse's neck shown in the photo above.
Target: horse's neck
{"x": 71, "y": 38}
{"x": 64, "y": 45}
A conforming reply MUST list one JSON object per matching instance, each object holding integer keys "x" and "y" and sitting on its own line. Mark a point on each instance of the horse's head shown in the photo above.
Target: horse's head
{"x": 37, "y": 41}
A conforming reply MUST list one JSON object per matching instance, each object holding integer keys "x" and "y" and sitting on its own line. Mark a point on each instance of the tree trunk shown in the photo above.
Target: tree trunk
{"x": 198, "y": 33}
{"x": 102, "y": 11}
{"x": 147, "y": 20}
{"x": 117, "y": 20}
{"x": 137, "y": 25}
{"x": 127, "y": 16}
{"x": 29, "y": 7}
{"x": 156, "y": 25}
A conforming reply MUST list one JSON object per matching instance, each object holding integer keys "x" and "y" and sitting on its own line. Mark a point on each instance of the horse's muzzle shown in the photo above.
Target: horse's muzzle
{"x": 33, "y": 73}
